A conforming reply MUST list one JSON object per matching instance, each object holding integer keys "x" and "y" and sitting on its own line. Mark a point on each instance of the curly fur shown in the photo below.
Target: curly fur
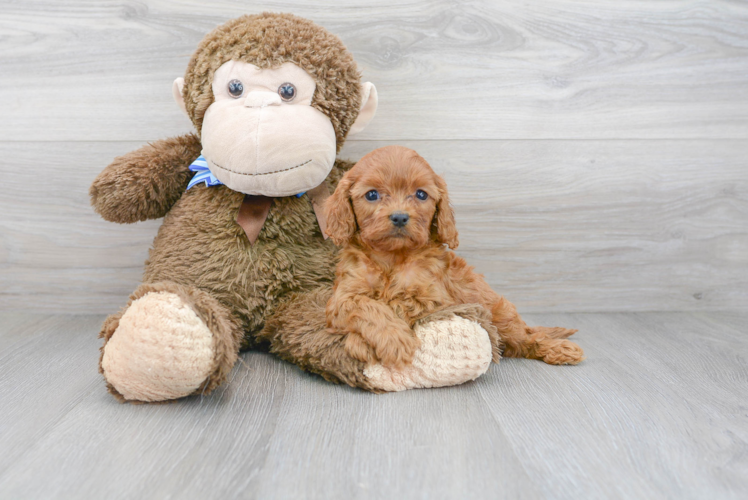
{"x": 389, "y": 277}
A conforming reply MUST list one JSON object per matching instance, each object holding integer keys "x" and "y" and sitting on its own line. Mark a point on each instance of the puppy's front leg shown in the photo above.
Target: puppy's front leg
{"x": 393, "y": 341}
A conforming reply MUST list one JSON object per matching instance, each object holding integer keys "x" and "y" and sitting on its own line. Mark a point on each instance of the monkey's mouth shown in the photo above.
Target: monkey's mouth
{"x": 259, "y": 173}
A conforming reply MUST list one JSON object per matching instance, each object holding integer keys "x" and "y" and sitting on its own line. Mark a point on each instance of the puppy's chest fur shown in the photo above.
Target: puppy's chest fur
{"x": 413, "y": 288}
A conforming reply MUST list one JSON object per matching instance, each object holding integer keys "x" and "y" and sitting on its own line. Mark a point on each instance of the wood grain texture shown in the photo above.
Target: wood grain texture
{"x": 596, "y": 153}
{"x": 584, "y": 69}
{"x": 554, "y": 225}
{"x": 666, "y": 399}
{"x": 48, "y": 366}
{"x": 656, "y": 411}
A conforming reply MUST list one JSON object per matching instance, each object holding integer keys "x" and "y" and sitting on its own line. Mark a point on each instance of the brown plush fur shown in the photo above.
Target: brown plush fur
{"x": 200, "y": 250}
{"x": 389, "y": 277}
{"x": 268, "y": 40}
{"x": 145, "y": 184}
{"x": 200, "y": 244}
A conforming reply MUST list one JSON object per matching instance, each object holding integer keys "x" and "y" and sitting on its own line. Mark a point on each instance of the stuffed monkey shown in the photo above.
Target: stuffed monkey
{"x": 272, "y": 98}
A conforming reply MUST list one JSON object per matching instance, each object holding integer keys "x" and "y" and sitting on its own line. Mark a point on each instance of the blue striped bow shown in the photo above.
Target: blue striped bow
{"x": 203, "y": 173}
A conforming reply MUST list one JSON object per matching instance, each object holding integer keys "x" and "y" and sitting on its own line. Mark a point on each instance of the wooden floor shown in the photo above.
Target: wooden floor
{"x": 658, "y": 410}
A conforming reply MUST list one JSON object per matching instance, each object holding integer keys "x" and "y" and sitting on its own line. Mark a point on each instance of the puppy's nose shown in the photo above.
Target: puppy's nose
{"x": 399, "y": 219}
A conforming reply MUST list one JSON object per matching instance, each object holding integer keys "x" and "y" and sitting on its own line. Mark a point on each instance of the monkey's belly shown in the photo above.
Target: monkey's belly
{"x": 200, "y": 245}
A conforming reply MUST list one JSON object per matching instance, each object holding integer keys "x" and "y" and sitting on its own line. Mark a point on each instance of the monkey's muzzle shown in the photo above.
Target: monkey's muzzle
{"x": 271, "y": 150}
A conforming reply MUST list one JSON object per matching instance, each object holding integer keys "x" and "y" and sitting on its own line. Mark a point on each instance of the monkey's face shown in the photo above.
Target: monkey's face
{"x": 261, "y": 135}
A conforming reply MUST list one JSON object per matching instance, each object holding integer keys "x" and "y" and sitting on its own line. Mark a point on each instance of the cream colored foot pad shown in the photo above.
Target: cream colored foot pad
{"x": 161, "y": 350}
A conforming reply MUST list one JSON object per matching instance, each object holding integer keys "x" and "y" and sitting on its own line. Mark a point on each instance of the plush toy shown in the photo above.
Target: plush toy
{"x": 272, "y": 97}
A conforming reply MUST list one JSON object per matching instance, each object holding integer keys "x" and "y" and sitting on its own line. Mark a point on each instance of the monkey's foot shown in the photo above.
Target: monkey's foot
{"x": 453, "y": 351}
{"x": 160, "y": 350}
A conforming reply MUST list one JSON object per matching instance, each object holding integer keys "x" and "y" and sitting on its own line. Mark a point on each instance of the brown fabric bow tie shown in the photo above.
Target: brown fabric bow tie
{"x": 255, "y": 209}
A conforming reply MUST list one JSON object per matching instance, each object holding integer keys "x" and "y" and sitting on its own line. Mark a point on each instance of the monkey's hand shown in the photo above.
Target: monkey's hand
{"x": 145, "y": 183}
{"x": 456, "y": 346}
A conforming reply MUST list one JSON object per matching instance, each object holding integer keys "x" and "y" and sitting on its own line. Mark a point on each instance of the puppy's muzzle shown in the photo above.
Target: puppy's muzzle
{"x": 399, "y": 219}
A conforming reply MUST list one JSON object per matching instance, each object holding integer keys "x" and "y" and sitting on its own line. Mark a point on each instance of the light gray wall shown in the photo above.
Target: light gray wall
{"x": 596, "y": 152}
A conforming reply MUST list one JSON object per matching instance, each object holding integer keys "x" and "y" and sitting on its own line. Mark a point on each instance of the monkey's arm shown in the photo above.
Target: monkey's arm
{"x": 145, "y": 183}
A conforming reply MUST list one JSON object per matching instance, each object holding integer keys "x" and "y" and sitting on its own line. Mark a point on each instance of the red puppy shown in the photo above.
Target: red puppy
{"x": 391, "y": 214}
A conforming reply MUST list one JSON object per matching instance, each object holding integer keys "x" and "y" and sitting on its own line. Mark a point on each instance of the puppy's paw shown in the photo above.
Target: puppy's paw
{"x": 396, "y": 347}
{"x": 563, "y": 352}
{"x": 357, "y": 348}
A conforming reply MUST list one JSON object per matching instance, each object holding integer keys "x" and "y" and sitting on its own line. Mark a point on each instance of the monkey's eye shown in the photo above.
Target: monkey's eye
{"x": 287, "y": 91}
{"x": 421, "y": 194}
{"x": 372, "y": 195}
{"x": 236, "y": 89}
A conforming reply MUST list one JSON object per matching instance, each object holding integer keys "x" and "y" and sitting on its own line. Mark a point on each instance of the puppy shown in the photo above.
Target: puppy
{"x": 391, "y": 214}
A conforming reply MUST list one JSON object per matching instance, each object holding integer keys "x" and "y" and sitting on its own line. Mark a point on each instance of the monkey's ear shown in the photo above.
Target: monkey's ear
{"x": 176, "y": 91}
{"x": 444, "y": 219}
{"x": 341, "y": 221}
{"x": 368, "y": 109}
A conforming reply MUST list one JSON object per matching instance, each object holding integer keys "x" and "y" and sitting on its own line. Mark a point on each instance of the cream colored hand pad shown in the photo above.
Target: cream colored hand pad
{"x": 452, "y": 352}
{"x": 161, "y": 350}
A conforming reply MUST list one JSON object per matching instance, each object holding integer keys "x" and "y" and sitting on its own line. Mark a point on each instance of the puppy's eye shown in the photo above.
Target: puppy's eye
{"x": 235, "y": 87}
{"x": 372, "y": 195}
{"x": 421, "y": 194}
{"x": 287, "y": 91}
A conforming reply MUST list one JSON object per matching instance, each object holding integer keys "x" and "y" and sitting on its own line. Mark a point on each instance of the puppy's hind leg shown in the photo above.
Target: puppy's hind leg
{"x": 548, "y": 344}
{"x": 558, "y": 351}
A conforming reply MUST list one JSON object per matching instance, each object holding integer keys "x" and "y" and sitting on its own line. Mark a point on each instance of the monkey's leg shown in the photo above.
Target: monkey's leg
{"x": 540, "y": 342}
{"x": 171, "y": 341}
{"x": 297, "y": 333}
{"x": 455, "y": 347}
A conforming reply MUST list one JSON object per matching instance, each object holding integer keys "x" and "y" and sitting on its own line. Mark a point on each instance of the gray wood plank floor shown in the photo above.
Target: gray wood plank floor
{"x": 658, "y": 410}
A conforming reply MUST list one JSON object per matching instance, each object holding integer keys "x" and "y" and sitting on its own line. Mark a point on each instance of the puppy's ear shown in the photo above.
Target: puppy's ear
{"x": 341, "y": 221}
{"x": 444, "y": 218}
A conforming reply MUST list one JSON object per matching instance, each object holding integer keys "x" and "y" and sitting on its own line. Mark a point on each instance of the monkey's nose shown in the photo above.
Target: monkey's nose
{"x": 262, "y": 98}
{"x": 399, "y": 219}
